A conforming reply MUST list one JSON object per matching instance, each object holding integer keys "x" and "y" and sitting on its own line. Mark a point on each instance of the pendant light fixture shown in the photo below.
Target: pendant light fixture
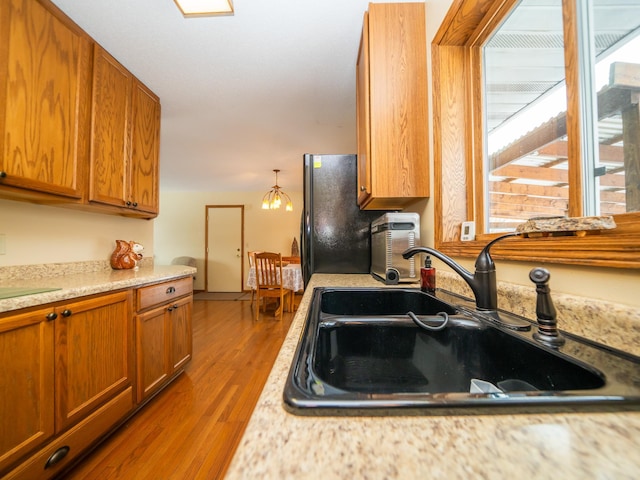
{"x": 205, "y": 8}
{"x": 275, "y": 197}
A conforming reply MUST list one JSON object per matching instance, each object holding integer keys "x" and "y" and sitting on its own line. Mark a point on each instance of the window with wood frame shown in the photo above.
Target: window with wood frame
{"x": 532, "y": 69}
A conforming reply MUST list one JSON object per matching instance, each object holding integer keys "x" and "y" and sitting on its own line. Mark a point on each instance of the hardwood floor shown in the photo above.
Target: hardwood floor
{"x": 192, "y": 428}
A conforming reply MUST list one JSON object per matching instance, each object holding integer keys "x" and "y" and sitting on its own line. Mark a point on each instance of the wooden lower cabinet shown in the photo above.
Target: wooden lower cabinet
{"x": 68, "y": 446}
{"x": 62, "y": 365}
{"x": 26, "y": 384}
{"x": 163, "y": 344}
{"x": 69, "y": 372}
{"x": 94, "y": 354}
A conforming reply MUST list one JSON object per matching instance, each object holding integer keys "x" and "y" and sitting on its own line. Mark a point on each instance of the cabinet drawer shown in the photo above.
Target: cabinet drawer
{"x": 147, "y": 297}
{"x": 76, "y": 440}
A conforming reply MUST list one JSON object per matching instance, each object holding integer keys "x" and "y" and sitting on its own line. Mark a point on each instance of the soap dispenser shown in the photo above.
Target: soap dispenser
{"x": 428, "y": 276}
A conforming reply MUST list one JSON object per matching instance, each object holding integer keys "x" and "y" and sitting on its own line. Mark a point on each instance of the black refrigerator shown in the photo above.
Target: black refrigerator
{"x": 336, "y": 234}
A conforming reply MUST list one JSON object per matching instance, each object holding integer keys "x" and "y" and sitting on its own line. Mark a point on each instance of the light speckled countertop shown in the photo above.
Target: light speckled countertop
{"x": 73, "y": 282}
{"x": 280, "y": 445}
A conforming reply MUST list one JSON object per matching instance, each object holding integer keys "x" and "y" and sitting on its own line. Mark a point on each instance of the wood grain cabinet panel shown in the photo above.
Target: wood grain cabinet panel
{"x": 125, "y": 137}
{"x": 163, "y": 334}
{"x": 94, "y": 356}
{"x": 26, "y": 384}
{"x": 45, "y": 86}
{"x": 181, "y": 330}
{"x": 62, "y": 364}
{"x": 110, "y": 130}
{"x": 391, "y": 113}
{"x": 152, "y": 344}
{"x": 76, "y": 127}
{"x": 145, "y": 151}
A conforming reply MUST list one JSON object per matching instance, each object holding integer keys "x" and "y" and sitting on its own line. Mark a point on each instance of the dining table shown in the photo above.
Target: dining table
{"x": 291, "y": 277}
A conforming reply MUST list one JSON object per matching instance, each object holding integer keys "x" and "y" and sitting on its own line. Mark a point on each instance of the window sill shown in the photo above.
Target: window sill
{"x": 618, "y": 248}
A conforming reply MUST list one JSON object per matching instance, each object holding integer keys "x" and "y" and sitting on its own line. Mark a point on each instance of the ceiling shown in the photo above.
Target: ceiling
{"x": 241, "y": 95}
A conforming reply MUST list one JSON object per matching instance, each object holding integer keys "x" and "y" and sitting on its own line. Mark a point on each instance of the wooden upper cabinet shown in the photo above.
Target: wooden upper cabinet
{"x": 125, "y": 130}
{"x": 45, "y": 82}
{"x": 110, "y": 130}
{"x": 362, "y": 115}
{"x": 145, "y": 151}
{"x": 391, "y": 91}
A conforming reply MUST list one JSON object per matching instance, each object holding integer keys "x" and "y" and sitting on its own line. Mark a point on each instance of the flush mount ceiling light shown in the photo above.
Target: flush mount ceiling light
{"x": 205, "y": 8}
{"x": 274, "y": 197}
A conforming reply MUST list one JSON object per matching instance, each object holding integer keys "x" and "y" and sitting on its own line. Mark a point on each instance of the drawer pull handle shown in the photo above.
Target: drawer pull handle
{"x": 57, "y": 456}
{"x": 171, "y": 290}
{"x": 66, "y": 313}
{"x": 52, "y": 316}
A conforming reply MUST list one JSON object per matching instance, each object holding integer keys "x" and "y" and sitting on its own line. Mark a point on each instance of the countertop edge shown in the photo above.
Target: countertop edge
{"x": 90, "y": 283}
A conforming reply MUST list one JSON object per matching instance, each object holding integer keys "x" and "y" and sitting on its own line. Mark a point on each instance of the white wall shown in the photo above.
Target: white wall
{"x": 180, "y": 227}
{"x": 37, "y": 234}
{"x": 612, "y": 284}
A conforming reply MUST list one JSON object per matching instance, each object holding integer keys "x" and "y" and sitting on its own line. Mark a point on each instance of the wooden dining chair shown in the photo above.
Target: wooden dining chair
{"x": 252, "y": 264}
{"x": 269, "y": 280}
{"x": 291, "y": 259}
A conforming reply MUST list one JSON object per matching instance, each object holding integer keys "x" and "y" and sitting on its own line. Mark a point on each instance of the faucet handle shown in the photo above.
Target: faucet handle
{"x": 547, "y": 333}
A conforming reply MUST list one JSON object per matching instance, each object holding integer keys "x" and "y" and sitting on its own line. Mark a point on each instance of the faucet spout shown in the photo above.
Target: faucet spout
{"x": 482, "y": 282}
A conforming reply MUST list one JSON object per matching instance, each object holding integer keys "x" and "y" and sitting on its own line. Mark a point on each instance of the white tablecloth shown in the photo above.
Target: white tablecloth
{"x": 292, "y": 274}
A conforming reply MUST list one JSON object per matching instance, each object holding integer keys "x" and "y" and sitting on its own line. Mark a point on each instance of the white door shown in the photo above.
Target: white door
{"x": 224, "y": 248}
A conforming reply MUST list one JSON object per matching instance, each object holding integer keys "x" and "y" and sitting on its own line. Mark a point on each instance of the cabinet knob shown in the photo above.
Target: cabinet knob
{"x": 52, "y": 316}
{"x": 57, "y": 456}
{"x": 3, "y": 174}
{"x": 66, "y": 312}
{"x": 128, "y": 203}
{"x": 135, "y": 204}
{"x": 363, "y": 188}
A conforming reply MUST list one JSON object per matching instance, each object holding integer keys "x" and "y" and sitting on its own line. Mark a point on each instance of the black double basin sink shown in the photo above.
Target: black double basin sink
{"x": 361, "y": 353}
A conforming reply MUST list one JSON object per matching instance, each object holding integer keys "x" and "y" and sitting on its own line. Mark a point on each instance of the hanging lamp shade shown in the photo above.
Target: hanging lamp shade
{"x": 275, "y": 197}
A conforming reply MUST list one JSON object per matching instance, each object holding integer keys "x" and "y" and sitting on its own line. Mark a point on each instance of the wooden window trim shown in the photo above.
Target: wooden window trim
{"x": 457, "y": 98}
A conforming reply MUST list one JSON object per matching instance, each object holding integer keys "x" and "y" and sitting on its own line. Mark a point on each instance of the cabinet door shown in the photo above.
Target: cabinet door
{"x": 94, "y": 339}
{"x": 362, "y": 115}
{"x": 26, "y": 383}
{"x": 110, "y": 130}
{"x": 145, "y": 139}
{"x": 152, "y": 344}
{"x": 45, "y": 85}
{"x": 398, "y": 129}
{"x": 179, "y": 316}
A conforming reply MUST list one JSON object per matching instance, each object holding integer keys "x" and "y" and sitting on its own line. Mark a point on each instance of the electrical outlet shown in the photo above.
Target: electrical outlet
{"x": 3, "y": 244}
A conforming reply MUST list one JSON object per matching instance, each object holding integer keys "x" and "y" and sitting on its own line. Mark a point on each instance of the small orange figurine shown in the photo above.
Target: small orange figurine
{"x": 126, "y": 255}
